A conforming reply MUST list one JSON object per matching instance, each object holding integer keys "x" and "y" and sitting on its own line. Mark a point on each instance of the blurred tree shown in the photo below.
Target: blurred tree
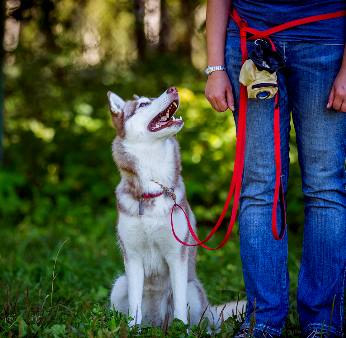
{"x": 187, "y": 14}
{"x": 164, "y": 28}
{"x": 2, "y": 57}
{"x": 47, "y": 22}
{"x": 139, "y": 28}
{"x": 43, "y": 11}
{"x": 21, "y": 10}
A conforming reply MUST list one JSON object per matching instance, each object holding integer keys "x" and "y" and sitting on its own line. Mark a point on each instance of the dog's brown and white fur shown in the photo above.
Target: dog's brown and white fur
{"x": 160, "y": 282}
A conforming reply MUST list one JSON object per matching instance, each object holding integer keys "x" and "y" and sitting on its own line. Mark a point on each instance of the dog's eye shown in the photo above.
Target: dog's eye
{"x": 143, "y": 104}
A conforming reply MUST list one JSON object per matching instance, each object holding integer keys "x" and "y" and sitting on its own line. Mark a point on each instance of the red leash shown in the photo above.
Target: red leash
{"x": 236, "y": 182}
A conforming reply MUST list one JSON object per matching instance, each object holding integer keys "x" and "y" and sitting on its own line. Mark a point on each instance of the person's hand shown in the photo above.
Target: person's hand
{"x": 218, "y": 91}
{"x": 337, "y": 96}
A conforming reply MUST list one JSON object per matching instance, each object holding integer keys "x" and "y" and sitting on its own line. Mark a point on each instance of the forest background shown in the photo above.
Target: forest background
{"x": 58, "y": 254}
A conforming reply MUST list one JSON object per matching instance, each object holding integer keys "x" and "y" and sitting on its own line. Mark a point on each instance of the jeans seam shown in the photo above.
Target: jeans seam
{"x": 319, "y": 326}
{"x": 300, "y": 270}
{"x": 284, "y": 50}
{"x": 331, "y": 44}
{"x": 263, "y": 328}
{"x": 286, "y": 292}
{"x": 342, "y": 300}
{"x": 285, "y": 285}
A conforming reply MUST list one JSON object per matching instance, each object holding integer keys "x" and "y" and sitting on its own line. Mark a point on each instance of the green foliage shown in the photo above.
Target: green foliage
{"x": 58, "y": 256}
{"x": 57, "y": 140}
{"x": 58, "y": 133}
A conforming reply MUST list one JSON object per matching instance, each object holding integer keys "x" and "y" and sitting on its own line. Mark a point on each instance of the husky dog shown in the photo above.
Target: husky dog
{"x": 160, "y": 282}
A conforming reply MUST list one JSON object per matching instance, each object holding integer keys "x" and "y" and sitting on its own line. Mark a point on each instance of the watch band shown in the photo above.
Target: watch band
{"x": 211, "y": 69}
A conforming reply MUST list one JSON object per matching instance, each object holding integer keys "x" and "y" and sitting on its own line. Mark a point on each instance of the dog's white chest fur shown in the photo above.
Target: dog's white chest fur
{"x": 148, "y": 243}
{"x": 155, "y": 163}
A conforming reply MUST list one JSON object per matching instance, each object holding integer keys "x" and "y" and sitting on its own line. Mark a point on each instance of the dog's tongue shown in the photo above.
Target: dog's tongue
{"x": 165, "y": 118}
{"x": 164, "y": 122}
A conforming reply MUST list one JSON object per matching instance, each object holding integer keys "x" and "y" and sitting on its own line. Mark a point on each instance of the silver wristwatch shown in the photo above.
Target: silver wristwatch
{"x": 211, "y": 69}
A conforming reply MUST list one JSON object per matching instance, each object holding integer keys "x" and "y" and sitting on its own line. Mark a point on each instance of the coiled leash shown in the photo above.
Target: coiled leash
{"x": 236, "y": 181}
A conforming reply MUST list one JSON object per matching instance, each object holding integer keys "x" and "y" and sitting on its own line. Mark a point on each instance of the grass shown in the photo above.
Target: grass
{"x": 56, "y": 279}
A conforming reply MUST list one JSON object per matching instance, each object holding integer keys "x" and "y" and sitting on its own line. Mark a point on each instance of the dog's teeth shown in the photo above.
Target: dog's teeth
{"x": 175, "y": 104}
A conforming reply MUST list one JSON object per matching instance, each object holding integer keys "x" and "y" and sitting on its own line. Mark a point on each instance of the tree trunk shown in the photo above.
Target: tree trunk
{"x": 47, "y": 22}
{"x": 187, "y": 13}
{"x": 165, "y": 28}
{"x": 139, "y": 28}
{"x": 2, "y": 58}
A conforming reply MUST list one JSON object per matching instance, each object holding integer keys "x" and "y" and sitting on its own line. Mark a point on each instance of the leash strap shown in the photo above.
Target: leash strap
{"x": 236, "y": 181}
{"x": 257, "y": 34}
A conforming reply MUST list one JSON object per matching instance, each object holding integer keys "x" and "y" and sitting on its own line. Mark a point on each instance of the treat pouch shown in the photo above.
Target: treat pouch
{"x": 260, "y": 83}
{"x": 258, "y": 73}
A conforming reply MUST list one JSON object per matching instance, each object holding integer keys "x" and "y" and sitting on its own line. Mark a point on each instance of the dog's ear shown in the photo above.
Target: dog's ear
{"x": 116, "y": 103}
{"x": 116, "y": 106}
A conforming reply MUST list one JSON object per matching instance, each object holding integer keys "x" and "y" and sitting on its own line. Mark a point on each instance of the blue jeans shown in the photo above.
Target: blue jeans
{"x": 304, "y": 86}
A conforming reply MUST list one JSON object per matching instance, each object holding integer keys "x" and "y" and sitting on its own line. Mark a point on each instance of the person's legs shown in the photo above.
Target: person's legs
{"x": 264, "y": 259}
{"x": 321, "y": 139}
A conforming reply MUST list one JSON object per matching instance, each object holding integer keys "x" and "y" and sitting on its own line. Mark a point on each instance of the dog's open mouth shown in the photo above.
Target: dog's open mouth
{"x": 165, "y": 118}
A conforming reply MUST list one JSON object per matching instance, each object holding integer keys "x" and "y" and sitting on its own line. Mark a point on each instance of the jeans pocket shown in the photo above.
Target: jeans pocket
{"x": 331, "y": 44}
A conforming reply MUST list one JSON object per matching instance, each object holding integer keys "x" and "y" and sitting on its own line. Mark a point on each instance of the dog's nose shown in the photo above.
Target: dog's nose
{"x": 172, "y": 90}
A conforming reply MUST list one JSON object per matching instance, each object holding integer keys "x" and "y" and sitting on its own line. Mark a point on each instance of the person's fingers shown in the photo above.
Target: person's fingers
{"x": 218, "y": 102}
{"x": 340, "y": 96}
{"x": 214, "y": 103}
{"x": 209, "y": 98}
{"x": 331, "y": 98}
{"x": 221, "y": 102}
{"x": 230, "y": 99}
{"x": 343, "y": 107}
{"x": 218, "y": 107}
{"x": 337, "y": 102}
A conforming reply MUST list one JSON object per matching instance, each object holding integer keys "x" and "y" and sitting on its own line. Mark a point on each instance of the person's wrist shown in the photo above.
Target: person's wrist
{"x": 217, "y": 75}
